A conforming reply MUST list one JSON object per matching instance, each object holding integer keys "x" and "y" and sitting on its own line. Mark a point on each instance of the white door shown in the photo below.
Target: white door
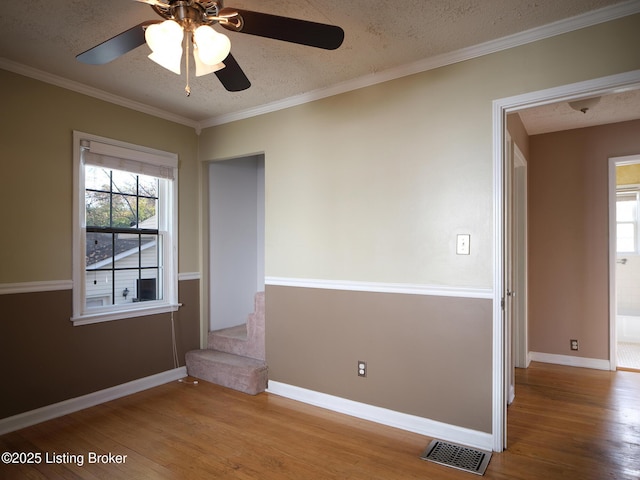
{"x": 520, "y": 265}
{"x": 509, "y": 296}
{"x": 515, "y": 250}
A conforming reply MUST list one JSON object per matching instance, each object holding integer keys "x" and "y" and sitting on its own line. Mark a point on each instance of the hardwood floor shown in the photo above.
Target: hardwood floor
{"x": 566, "y": 423}
{"x": 574, "y": 423}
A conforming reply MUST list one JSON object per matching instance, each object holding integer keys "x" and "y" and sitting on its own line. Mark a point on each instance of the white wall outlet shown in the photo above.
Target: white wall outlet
{"x": 362, "y": 368}
{"x": 462, "y": 244}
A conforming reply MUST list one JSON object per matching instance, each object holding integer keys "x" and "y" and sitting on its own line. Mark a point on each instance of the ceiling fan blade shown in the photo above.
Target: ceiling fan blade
{"x": 292, "y": 30}
{"x": 231, "y": 76}
{"x": 116, "y": 46}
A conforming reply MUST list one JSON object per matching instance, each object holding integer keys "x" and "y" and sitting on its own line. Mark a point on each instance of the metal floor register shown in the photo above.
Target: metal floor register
{"x": 456, "y": 456}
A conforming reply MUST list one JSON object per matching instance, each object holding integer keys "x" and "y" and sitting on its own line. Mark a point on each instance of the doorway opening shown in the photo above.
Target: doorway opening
{"x": 236, "y": 216}
{"x": 501, "y": 319}
{"x": 624, "y": 261}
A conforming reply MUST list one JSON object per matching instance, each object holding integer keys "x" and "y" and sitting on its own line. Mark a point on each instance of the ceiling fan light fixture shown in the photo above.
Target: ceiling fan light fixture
{"x": 169, "y": 60}
{"x": 203, "y": 68}
{"x": 165, "y": 41}
{"x": 212, "y": 47}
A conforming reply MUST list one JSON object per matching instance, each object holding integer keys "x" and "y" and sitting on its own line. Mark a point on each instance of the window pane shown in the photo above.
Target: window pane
{"x": 125, "y": 286}
{"x": 147, "y": 286}
{"x": 149, "y": 254}
{"x": 97, "y": 178}
{"x": 147, "y": 186}
{"x": 99, "y": 250}
{"x": 626, "y": 210}
{"x": 97, "y": 209}
{"x": 124, "y": 211}
{"x": 127, "y": 249}
{"x": 626, "y": 237}
{"x": 98, "y": 288}
{"x": 147, "y": 208}
{"x": 124, "y": 182}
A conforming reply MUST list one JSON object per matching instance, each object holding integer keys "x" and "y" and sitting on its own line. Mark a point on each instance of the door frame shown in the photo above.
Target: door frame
{"x": 500, "y": 108}
{"x": 509, "y": 264}
{"x": 516, "y": 265}
{"x": 613, "y": 304}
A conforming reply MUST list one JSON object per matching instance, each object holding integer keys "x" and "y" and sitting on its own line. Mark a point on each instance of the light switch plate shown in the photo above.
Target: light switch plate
{"x": 462, "y": 244}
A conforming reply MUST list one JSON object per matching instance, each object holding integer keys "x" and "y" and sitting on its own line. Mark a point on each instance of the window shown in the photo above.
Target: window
{"x": 124, "y": 230}
{"x": 627, "y": 210}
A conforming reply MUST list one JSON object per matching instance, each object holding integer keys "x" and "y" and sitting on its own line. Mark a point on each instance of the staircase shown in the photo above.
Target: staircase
{"x": 235, "y": 356}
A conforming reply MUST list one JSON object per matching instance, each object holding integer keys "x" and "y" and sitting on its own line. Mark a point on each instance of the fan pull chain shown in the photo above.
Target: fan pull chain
{"x": 187, "y": 88}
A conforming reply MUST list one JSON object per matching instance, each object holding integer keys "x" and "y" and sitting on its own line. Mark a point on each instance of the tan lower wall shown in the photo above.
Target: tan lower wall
{"x": 426, "y": 356}
{"x": 46, "y": 359}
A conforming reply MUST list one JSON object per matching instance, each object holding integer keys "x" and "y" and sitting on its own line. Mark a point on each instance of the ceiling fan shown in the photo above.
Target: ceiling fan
{"x": 211, "y": 49}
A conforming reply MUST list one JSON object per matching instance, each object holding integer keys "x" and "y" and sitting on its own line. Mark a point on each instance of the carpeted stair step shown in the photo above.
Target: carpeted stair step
{"x": 231, "y": 340}
{"x": 240, "y": 373}
{"x": 247, "y": 339}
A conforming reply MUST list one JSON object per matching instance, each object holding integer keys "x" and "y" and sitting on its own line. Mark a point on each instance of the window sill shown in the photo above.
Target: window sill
{"x": 122, "y": 314}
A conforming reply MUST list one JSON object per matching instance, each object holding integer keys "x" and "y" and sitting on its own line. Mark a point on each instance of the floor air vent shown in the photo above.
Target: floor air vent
{"x": 462, "y": 458}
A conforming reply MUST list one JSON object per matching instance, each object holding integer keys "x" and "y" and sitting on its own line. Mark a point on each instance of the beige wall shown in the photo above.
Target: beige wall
{"x": 376, "y": 183}
{"x": 568, "y": 237}
{"x": 36, "y": 128}
{"x": 45, "y": 358}
{"x": 373, "y": 185}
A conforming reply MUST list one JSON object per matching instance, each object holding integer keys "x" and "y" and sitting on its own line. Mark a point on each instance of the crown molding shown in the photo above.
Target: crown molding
{"x": 559, "y": 27}
{"x": 78, "y": 87}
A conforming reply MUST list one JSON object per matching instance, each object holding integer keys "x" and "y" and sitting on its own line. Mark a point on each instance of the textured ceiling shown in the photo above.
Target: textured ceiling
{"x": 46, "y": 35}
{"x": 618, "y": 107}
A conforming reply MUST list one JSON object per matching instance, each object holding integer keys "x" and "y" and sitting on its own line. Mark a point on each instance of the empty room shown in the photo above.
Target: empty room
{"x": 307, "y": 239}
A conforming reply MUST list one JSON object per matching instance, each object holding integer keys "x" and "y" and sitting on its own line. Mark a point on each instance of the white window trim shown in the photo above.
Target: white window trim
{"x": 169, "y": 302}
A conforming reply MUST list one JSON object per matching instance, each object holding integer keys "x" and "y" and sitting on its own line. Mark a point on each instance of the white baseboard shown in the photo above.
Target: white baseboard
{"x": 403, "y": 421}
{"x": 570, "y": 361}
{"x": 65, "y": 407}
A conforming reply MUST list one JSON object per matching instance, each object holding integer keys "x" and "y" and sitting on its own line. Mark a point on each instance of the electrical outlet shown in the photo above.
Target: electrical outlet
{"x": 362, "y": 368}
{"x": 574, "y": 344}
